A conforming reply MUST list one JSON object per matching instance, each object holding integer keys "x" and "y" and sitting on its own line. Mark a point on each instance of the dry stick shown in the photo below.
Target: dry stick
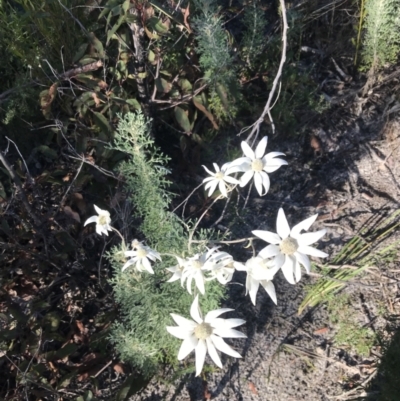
{"x": 267, "y": 108}
{"x": 70, "y": 186}
{"x": 23, "y": 160}
{"x": 18, "y": 184}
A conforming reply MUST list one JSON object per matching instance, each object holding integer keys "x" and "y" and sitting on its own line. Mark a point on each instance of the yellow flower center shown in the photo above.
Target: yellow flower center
{"x": 141, "y": 253}
{"x": 197, "y": 264}
{"x": 102, "y": 220}
{"x": 288, "y": 246}
{"x": 203, "y": 331}
{"x": 219, "y": 176}
{"x": 257, "y": 165}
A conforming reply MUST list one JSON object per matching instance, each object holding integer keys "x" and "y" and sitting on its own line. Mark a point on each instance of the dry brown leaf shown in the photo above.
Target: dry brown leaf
{"x": 252, "y": 388}
{"x": 186, "y": 13}
{"x": 321, "y": 331}
{"x": 207, "y": 394}
{"x": 119, "y": 368}
{"x": 80, "y": 326}
{"x": 79, "y": 202}
{"x": 70, "y": 213}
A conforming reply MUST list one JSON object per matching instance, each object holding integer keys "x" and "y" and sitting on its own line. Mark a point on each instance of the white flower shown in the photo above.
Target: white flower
{"x": 102, "y": 221}
{"x": 223, "y": 268}
{"x": 289, "y": 247}
{"x": 220, "y": 178}
{"x": 204, "y": 335}
{"x": 257, "y": 165}
{"x": 259, "y": 271}
{"x": 141, "y": 257}
{"x": 177, "y": 270}
{"x": 195, "y": 268}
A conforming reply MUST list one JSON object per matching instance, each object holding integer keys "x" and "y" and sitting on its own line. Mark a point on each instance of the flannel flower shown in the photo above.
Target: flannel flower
{"x": 223, "y": 268}
{"x": 102, "y": 221}
{"x": 196, "y": 267}
{"x": 141, "y": 256}
{"x": 289, "y": 248}
{"x": 257, "y": 164}
{"x": 220, "y": 178}
{"x": 205, "y": 335}
{"x": 259, "y": 271}
{"x": 177, "y": 270}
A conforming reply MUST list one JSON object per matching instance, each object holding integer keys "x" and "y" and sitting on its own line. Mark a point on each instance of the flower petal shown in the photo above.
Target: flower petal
{"x": 184, "y": 323}
{"x": 208, "y": 171}
{"x": 147, "y": 265}
{"x": 297, "y": 272}
{"x": 229, "y": 323}
{"x": 213, "y": 353}
{"x": 270, "y": 288}
{"x": 128, "y": 263}
{"x": 212, "y": 185}
{"x": 241, "y": 162}
{"x": 231, "y": 180}
{"x": 267, "y": 236}
{"x": 262, "y": 145}
{"x": 247, "y": 150}
{"x": 201, "y": 351}
{"x": 199, "y": 279}
{"x": 239, "y": 266}
{"x": 269, "y": 157}
{"x": 188, "y": 345}
{"x": 216, "y": 167}
{"x": 246, "y": 177}
{"x": 303, "y": 259}
{"x": 279, "y": 260}
{"x": 195, "y": 310}
{"x": 274, "y": 165}
{"x": 310, "y": 238}
{"x": 98, "y": 210}
{"x": 253, "y": 288}
{"x": 288, "y": 269}
{"x": 308, "y": 250}
{"x": 177, "y": 331}
{"x": 258, "y": 182}
{"x": 282, "y": 225}
{"x": 222, "y": 188}
{"x": 303, "y": 225}
{"x": 92, "y": 219}
{"x": 212, "y": 315}
{"x": 269, "y": 251}
{"x": 265, "y": 181}
{"x": 222, "y": 346}
{"x": 229, "y": 333}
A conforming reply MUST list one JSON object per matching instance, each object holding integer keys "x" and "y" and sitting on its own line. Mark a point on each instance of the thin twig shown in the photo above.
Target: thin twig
{"x": 18, "y": 184}
{"x": 267, "y": 109}
{"x": 70, "y": 186}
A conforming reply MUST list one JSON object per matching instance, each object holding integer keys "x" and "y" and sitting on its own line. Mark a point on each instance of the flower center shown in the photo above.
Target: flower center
{"x": 288, "y": 246}
{"x": 141, "y": 253}
{"x": 219, "y": 176}
{"x": 197, "y": 264}
{"x": 203, "y": 331}
{"x": 257, "y": 165}
{"x": 102, "y": 220}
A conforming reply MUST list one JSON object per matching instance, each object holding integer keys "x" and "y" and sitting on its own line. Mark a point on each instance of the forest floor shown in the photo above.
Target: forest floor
{"x": 347, "y": 169}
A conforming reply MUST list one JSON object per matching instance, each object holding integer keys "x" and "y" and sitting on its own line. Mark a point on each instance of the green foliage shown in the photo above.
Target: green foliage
{"x": 253, "y": 41}
{"x": 349, "y": 332}
{"x": 382, "y": 37}
{"x": 212, "y": 44}
{"x": 146, "y": 300}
